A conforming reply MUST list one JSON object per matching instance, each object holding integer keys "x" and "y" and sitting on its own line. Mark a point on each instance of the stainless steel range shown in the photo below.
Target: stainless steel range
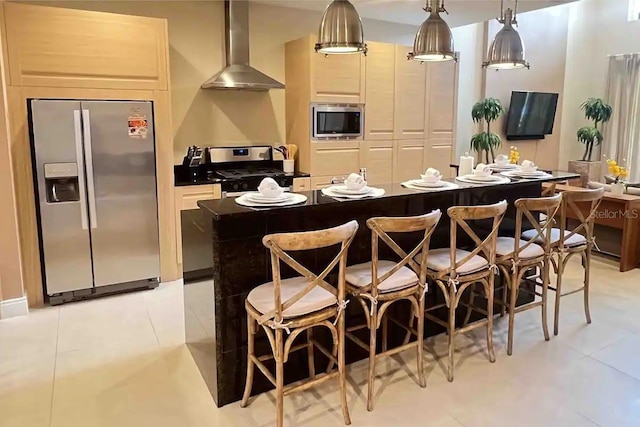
{"x": 240, "y": 169}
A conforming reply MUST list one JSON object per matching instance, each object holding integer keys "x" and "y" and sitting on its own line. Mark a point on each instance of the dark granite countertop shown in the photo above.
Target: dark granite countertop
{"x": 227, "y": 207}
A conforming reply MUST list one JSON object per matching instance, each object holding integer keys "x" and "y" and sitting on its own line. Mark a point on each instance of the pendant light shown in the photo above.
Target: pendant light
{"x": 434, "y": 41}
{"x": 507, "y": 50}
{"x": 340, "y": 30}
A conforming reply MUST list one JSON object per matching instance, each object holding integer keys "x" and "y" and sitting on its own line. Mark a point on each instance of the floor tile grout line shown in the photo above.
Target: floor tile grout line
{"x": 55, "y": 364}
{"x": 637, "y": 380}
{"x": 588, "y": 419}
{"x": 153, "y": 327}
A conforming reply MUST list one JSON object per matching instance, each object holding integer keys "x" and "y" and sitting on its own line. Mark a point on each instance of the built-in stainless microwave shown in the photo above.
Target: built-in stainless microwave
{"x": 337, "y": 121}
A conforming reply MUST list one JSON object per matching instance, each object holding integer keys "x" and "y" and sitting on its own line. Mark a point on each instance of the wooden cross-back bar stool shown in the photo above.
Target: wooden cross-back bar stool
{"x": 379, "y": 283}
{"x": 454, "y": 270}
{"x": 567, "y": 242}
{"x": 515, "y": 257}
{"x": 296, "y": 305}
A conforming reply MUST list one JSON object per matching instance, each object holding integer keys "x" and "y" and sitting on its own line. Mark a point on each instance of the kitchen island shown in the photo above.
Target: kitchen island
{"x": 215, "y": 317}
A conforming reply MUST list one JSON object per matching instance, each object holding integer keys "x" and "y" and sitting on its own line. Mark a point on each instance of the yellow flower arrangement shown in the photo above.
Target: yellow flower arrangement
{"x": 514, "y": 155}
{"x": 619, "y": 172}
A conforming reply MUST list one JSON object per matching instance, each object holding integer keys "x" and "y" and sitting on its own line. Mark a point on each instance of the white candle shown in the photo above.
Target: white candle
{"x": 466, "y": 165}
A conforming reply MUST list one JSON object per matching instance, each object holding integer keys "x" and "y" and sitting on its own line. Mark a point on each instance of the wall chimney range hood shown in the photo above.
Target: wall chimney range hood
{"x": 238, "y": 74}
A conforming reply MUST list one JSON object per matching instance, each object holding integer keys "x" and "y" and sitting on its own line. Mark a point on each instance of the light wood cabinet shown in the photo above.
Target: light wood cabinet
{"x": 377, "y": 157}
{"x": 186, "y": 198}
{"x": 55, "y": 47}
{"x": 380, "y": 91}
{"x": 439, "y": 155}
{"x": 320, "y": 182}
{"x": 334, "y": 157}
{"x": 410, "y": 97}
{"x": 337, "y": 78}
{"x": 301, "y": 184}
{"x": 442, "y": 93}
{"x": 409, "y": 159}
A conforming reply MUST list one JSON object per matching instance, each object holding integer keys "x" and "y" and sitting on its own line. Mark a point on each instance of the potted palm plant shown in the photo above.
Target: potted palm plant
{"x": 594, "y": 109}
{"x": 488, "y": 110}
{"x": 597, "y": 110}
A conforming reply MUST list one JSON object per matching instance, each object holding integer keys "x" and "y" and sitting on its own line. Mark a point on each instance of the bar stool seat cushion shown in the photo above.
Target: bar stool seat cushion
{"x": 575, "y": 240}
{"x": 262, "y": 297}
{"x": 360, "y": 276}
{"x": 505, "y": 245}
{"x": 440, "y": 259}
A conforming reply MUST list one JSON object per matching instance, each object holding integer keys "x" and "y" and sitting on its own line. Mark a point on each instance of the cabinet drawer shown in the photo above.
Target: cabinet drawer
{"x": 335, "y": 158}
{"x": 188, "y": 197}
{"x": 301, "y": 184}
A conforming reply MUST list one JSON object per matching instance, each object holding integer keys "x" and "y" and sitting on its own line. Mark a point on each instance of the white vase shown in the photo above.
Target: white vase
{"x": 617, "y": 188}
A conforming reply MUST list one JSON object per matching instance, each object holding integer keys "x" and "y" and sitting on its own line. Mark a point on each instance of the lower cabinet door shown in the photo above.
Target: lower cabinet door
{"x": 377, "y": 157}
{"x": 409, "y": 160}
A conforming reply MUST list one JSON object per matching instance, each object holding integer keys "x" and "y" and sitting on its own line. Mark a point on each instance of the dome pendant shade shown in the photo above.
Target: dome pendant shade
{"x": 340, "y": 30}
{"x": 507, "y": 50}
{"x": 434, "y": 40}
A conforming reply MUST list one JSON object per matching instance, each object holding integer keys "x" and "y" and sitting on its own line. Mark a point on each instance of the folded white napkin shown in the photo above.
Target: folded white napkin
{"x": 432, "y": 172}
{"x": 502, "y": 159}
{"x": 528, "y": 164}
{"x": 355, "y": 178}
{"x": 269, "y": 187}
{"x": 483, "y": 168}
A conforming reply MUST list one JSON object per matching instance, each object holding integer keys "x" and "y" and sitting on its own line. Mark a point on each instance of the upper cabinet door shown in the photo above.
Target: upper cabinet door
{"x": 379, "y": 90}
{"x": 442, "y": 93}
{"x": 337, "y": 78}
{"x": 57, "y": 47}
{"x": 410, "y": 100}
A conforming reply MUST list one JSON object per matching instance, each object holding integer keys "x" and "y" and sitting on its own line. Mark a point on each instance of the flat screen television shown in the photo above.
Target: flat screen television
{"x": 531, "y": 115}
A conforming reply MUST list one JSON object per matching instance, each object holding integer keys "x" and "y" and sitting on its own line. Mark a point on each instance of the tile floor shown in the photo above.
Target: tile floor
{"x": 119, "y": 361}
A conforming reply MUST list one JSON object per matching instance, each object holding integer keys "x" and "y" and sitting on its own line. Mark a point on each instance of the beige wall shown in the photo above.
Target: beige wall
{"x": 597, "y": 29}
{"x": 196, "y": 39}
{"x": 544, "y": 33}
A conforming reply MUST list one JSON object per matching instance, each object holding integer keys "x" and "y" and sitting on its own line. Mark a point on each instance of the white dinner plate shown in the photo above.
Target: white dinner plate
{"x": 421, "y": 183}
{"x": 416, "y": 184}
{"x": 470, "y": 179}
{"x": 520, "y": 174}
{"x": 505, "y": 167}
{"x": 259, "y": 198}
{"x": 294, "y": 200}
{"x": 490, "y": 178}
{"x": 373, "y": 192}
{"x": 342, "y": 189}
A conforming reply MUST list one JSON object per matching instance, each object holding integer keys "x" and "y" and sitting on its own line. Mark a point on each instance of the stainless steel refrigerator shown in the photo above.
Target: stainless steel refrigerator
{"x": 94, "y": 166}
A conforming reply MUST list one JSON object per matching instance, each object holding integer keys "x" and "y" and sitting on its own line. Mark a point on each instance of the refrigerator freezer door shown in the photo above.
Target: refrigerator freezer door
{"x": 119, "y": 141}
{"x": 57, "y": 140}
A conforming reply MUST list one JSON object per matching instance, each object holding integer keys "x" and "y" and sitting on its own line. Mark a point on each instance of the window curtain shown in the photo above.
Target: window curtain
{"x": 622, "y": 132}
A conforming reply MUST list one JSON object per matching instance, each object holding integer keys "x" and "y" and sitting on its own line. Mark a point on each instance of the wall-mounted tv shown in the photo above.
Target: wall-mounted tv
{"x": 531, "y": 115}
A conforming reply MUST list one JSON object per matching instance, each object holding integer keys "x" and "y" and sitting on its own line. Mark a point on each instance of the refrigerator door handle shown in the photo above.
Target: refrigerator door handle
{"x": 91, "y": 190}
{"x": 77, "y": 125}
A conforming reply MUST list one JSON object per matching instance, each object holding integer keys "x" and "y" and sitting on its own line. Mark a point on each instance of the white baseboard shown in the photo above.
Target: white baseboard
{"x": 14, "y": 307}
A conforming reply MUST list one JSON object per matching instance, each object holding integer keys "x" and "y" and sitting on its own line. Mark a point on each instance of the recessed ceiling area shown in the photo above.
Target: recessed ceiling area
{"x": 461, "y": 12}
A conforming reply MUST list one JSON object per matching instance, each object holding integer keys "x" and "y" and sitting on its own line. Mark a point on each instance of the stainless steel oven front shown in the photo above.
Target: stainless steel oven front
{"x": 337, "y": 121}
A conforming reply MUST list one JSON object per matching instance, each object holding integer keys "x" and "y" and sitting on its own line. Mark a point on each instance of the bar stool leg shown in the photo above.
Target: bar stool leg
{"x": 251, "y": 330}
{"x": 310, "y": 356}
{"x": 556, "y": 314}
{"x": 586, "y": 256}
{"x": 279, "y": 353}
{"x": 513, "y": 288}
{"x": 385, "y": 331}
{"x": 372, "y": 355}
{"x": 342, "y": 374}
{"x": 420, "y": 341}
{"x": 490, "y": 292}
{"x": 451, "y": 330}
{"x": 545, "y": 294}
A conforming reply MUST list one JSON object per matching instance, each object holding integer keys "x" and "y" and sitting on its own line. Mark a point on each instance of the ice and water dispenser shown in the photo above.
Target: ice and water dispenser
{"x": 61, "y": 181}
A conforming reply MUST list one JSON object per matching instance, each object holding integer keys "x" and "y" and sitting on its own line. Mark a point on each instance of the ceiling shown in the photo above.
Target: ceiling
{"x": 461, "y": 12}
